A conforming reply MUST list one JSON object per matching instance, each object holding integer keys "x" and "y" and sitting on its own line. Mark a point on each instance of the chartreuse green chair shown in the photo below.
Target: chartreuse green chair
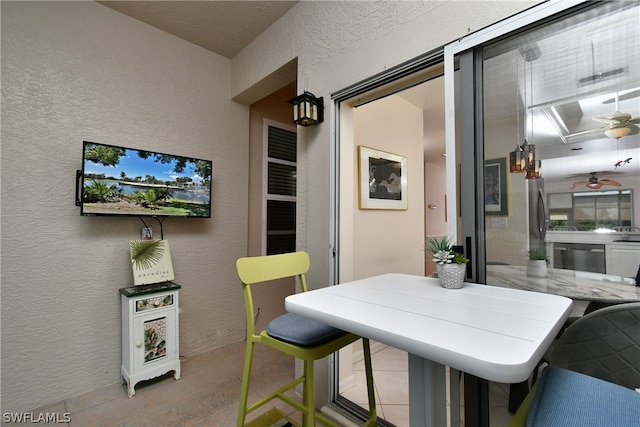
{"x": 294, "y": 335}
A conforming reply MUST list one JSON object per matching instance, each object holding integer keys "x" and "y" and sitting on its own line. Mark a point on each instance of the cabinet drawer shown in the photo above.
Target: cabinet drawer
{"x": 154, "y": 302}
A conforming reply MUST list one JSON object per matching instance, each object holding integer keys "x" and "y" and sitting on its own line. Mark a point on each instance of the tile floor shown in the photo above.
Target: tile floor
{"x": 391, "y": 380}
{"x": 208, "y": 392}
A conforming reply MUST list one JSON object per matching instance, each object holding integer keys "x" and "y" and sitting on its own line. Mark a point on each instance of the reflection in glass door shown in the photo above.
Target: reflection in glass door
{"x": 558, "y": 108}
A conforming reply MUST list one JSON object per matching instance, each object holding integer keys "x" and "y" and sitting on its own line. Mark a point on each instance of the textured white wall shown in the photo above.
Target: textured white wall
{"x": 336, "y": 45}
{"x": 77, "y": 70}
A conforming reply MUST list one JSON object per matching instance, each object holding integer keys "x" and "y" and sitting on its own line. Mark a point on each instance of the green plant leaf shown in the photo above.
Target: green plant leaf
{"x": 435, "y": 245}
{"x": 537, "y": 254}
{"x": 146, "y": 253}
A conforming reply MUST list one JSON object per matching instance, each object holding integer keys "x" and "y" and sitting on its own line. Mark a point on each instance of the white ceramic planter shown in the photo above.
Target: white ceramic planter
{"x": 451, "y": 275}
{"x": 536, "y": 268}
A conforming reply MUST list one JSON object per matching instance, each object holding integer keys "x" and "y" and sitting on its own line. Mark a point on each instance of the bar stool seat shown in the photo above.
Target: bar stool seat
{"x": 295, "y": 335}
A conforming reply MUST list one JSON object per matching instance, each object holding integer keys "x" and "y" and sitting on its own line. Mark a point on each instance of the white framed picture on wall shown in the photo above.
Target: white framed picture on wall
{"x": 382, "y": 179}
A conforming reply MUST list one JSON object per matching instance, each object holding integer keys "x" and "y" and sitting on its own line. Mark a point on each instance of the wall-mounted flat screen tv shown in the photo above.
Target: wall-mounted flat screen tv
{"x": 125, "y": 181}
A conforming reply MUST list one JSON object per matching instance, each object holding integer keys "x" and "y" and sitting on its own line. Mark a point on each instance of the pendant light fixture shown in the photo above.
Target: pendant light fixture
{"x": 523, "y": 158}
{"x": 516, "y": 157}
{"x": 534, "y": 166}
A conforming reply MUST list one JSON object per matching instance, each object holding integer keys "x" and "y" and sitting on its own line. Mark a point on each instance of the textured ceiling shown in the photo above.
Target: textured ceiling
{"x": 223, "y": 27}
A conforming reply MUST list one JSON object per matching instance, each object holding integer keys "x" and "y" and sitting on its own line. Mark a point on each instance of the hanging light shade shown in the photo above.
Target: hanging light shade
{"x": 529, "y": 151}
{"x": 307, "y": 109}
{"x": 517, "y": 160}
{"x": 617, "y": 131}
{"x": 535, "y": 171}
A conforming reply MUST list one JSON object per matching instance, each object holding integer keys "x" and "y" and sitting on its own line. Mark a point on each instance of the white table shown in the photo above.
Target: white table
{"x": 493, "y": 333}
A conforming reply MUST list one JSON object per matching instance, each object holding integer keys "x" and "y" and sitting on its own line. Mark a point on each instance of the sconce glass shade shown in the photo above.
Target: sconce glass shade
{"x": 617, "y": 131}
{"x": 307, "y": 109}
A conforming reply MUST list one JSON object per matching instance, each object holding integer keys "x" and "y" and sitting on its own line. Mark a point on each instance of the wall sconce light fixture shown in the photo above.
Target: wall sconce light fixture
{"x": 307, "y": 109}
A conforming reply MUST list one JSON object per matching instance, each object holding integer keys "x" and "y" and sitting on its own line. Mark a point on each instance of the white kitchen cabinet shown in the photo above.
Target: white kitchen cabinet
{"x": 623, "y": 258}
{"x": 150, "y": 345}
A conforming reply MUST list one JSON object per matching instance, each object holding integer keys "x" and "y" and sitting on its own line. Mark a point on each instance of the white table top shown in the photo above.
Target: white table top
{"x": 494, "y": 333}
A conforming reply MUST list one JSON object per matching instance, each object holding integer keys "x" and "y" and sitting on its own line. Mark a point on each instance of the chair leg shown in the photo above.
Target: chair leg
{"x": 368, "y": 368}
{"x": 244, "y": 389}
{"x": 308, "y": 396}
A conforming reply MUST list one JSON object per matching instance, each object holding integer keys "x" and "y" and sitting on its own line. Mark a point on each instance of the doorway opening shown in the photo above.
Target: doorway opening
{"x": 404, "y": 119}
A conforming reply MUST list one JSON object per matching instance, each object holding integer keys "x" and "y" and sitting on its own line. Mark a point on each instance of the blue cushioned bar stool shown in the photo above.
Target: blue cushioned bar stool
{"x": 294, "y": 335}
{"x": 571, "y": 399}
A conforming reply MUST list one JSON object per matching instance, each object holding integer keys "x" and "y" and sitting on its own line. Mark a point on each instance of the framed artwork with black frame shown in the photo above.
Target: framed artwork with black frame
{"x": 382, "y": 179}
{"x": 495, "y": 187}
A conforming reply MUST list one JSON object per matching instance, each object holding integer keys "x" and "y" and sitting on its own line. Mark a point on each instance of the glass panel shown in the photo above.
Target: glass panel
{"x": 281, "y": 244}
{"x": 281, "y": 184}
{"x": 564, "y": 92}
{"x": 281, "y": 226}
{"x": 626, "y": 211}
{"x": 562, "y": 200}
{"x": 282, "y": 144}
{"x": 282, "y": 179}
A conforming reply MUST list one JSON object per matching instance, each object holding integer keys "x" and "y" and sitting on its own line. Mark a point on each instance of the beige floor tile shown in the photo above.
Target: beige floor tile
{"x": 208, "y": 392}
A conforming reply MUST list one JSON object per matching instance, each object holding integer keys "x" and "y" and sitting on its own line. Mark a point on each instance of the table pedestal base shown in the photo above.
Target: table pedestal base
{"x": 428, "y": 393}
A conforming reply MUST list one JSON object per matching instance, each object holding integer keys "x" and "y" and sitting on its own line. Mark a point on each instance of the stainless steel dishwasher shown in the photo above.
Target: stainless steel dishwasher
{"x": 580, "y": 257}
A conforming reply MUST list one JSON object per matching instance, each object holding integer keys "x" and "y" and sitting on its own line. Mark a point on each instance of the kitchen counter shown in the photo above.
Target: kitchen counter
{"x": 621, "y": 250}
{"x": 578, "y": 285}
{"x": 590, "y": 237}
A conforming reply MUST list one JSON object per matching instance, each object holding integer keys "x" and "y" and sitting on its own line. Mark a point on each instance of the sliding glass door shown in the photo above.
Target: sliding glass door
{"x": 554, "y": 109}
{"x": 547, "y": 123}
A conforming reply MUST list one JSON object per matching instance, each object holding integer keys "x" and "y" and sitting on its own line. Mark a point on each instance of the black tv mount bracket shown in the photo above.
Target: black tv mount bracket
{"x": 78, "y": 179}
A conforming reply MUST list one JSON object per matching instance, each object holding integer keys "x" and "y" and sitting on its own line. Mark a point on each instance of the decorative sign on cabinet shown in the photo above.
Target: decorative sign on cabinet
{"x": 149, "y": 333}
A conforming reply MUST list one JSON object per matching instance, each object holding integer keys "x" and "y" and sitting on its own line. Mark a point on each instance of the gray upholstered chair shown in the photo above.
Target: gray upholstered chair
{"x": 604, "y": 344}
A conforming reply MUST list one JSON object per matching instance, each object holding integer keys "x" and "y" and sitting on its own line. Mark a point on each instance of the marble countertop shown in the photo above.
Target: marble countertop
{"x": 579, "y": 285}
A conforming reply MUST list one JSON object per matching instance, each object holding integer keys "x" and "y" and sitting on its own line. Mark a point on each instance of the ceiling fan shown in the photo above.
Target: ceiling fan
{"x": 595, "y": 183}
{"x": 616, "y": 126}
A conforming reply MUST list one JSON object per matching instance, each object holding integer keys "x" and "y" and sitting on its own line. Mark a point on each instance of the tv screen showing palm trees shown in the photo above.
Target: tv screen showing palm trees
{"x": 124, "y": 181}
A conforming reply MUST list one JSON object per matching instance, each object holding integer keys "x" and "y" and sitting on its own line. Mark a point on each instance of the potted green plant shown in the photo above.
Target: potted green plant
{"x": 451, "y": 265}
{"x": 537, "y": 263}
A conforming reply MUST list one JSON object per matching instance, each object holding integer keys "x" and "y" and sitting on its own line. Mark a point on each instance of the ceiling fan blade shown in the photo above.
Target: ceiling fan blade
{"x": 606, "y": 120}
{"x": 635, "y": 120}
{"x": 579, "y": 184}
{"x": 584, "y": 132}
{"x": 610, "y": 182}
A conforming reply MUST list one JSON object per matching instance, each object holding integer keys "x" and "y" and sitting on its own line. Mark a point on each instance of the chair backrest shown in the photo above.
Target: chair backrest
{"x": 259, "y": 269}
{"x": 252, "y": 270}
{"x": 604, "y": 344}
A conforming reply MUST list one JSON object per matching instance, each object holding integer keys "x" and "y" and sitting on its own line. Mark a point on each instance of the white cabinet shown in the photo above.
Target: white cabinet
{"x": 623, "y": 258}
{"x": 149, "y": 333}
